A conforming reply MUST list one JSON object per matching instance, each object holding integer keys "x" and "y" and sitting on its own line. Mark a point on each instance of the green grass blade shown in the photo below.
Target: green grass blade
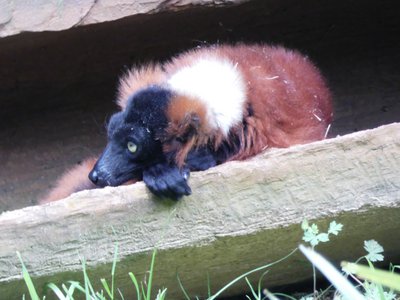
{"x": 113, "y": 270}
{"x": 106, "y": 287}
{"x": 149, "y": 284}
{"x": 250, "y": 272}
{"x": 260, "y": 282}
{"x": 87, "y": 296}
{"x": 182, "y": 288}
{"x": 99, "y": 296}
{"x": 70, "y": 291}
{"x": 114, "y": 260}
{"x": 88, "y": 286}
{"x": 161, "y": 294}
{"x": 394, "y": 267}
{"x": 28, "y": 280}
{"x": 120, "y": 294}
{"x": 77, "y": 286}
{"x": 385, "y": 278}
{"x": 65, "y": 289}
{"x": 136, "y": 284}
{"x": 143, "y": 292}
{"x": 56, "y": 290}
{"x": 251, "y": 289}
{"x": 208, "y": 286}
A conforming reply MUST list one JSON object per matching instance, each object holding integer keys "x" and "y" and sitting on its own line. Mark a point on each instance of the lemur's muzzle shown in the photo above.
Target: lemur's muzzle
{"x": 112, "y": 169}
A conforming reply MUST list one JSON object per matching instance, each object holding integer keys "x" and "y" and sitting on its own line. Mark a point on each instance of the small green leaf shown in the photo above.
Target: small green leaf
{"x": 374, "y": 250}
{"x": 308, "y": 236}
{"x": 375, "y": 257}
{"x": 334, "y": 228}
{"x": 314, "y": 229}
{"x": 311, "y": 238}
{"x": 323, "y": 237}
{"x": 304, "y": 225}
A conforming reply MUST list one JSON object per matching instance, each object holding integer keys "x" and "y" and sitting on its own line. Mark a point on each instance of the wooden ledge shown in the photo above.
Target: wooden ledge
{"x": 241, "y": 215}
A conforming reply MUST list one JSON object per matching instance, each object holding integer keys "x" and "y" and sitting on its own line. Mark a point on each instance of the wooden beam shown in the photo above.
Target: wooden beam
{"x": 241, "y": 215}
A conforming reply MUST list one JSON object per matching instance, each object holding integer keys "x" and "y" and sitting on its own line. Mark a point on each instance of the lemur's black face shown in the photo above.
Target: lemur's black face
{"x": 130, "y": 148}
{"x": 133, "y": 143}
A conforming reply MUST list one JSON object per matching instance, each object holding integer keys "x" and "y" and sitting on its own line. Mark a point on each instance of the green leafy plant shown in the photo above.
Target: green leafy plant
{"x": 370, "y": 280}
{"x": 313, "y": 236}
{"x": 141, "y": 293}
{"x": 332, "y": 274}
{"x": 374, "y": 279}
{"x": 68, "y": 291}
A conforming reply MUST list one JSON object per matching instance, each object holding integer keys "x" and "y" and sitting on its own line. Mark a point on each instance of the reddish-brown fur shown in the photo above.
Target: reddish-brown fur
{"x": 72, "y": 181}
{"x": 288, "y": 98}
{"x": 287, "y": 103}
{"x": 186, "y": 117}
{"x": 136, "y": 79}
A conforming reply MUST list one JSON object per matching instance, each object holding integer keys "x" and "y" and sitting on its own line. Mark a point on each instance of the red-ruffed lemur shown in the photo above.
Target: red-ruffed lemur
{"x": 202, "y": 108}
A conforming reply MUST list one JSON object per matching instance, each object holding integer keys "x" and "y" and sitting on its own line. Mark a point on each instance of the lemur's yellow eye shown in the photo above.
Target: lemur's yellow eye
{"x": 132, "y": 147}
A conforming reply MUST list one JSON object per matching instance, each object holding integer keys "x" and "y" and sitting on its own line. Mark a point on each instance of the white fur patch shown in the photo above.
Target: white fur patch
{"x": 219, "y": 85}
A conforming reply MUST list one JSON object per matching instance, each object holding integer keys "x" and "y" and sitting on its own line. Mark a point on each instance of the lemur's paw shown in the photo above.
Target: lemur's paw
{"x": 166, "y": 181}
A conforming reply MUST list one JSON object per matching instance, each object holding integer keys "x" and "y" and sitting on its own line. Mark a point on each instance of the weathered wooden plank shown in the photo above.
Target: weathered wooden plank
{"x": 241, "y": 215}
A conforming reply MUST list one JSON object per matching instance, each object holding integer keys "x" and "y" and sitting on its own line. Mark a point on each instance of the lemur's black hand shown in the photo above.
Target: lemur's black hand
{"x": 201, "y": 159}
{"x": 167, "y": 181}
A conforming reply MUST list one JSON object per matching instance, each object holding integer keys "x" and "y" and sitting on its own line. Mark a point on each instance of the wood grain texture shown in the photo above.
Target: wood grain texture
{"x": 241, "y": 215}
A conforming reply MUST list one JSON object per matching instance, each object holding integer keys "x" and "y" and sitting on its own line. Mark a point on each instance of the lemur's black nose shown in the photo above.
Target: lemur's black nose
{"x": 93, "y": 176}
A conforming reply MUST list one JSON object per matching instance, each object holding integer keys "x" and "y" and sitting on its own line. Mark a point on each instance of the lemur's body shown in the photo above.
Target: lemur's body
{"x": 208, "y": 106}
